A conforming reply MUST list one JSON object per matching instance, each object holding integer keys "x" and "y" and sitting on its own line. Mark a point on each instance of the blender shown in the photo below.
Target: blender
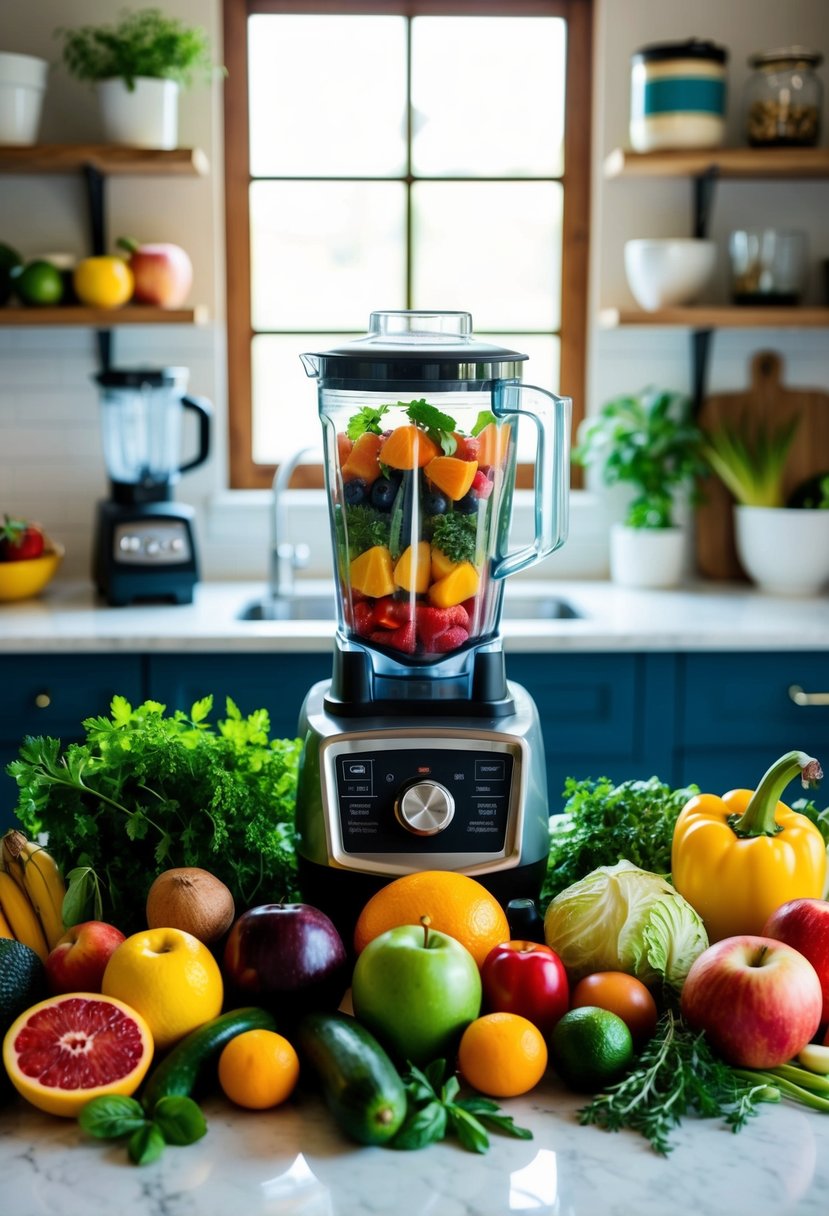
{"x": 418, "y": 752}
{"x": 144, "y": 546}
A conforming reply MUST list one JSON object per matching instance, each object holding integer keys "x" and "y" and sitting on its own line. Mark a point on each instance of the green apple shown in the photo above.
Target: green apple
{"x": 416, "y": 990}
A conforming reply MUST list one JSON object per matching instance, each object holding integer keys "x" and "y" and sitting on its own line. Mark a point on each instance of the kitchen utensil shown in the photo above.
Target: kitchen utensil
{"x": 662, "y": 273}
{"x": 768, "y": 266}
{"x": 24, "y": 579}
{"x": 419, "y": 753}
{"x": 768, "y": 401}
{"x": 783, "y": 98}
{"x": 677, "y": 95}
{"x": 145, "y": 543}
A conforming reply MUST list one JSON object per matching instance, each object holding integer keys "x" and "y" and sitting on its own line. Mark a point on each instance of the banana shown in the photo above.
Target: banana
{"x": 45, "y": 889}
{"x": 22, "y": 918}
{"x": 10, "y": 859}
{"x": 5, "y": 927}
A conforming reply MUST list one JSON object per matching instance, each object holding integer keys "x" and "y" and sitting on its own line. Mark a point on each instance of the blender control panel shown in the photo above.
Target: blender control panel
{"x": 151, "y": 542}
{"x": 419, "y": 799}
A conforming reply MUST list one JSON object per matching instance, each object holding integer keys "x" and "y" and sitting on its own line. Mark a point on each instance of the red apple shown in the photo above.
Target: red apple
{"x": 758, "y": 1000}
{"x": 78, "y": 961}
{"x": 163, "y": 274}
{"x": 526, "y": 978}
{"x": 803, "y": 924}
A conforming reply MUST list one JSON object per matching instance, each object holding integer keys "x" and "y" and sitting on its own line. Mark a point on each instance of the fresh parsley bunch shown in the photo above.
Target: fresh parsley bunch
{"x": 148, "y": 790}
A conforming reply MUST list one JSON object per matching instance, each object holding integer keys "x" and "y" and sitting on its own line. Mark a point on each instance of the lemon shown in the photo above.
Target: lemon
{"x": 103, "y": 282}
{"x": 590, "y": 1048}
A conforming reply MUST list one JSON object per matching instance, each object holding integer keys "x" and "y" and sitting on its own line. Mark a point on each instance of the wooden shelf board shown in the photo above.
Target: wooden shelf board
{"x": 112, "y": 160}
{"x": 726, "y": 162}
{"x": 719, "y": 317}
{"x": 101, "y": 318}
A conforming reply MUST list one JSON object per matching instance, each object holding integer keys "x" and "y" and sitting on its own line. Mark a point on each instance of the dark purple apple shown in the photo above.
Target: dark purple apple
{"x": 288, "y": 957}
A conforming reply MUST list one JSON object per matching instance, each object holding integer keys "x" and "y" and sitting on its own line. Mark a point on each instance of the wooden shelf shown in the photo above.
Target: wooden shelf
{"x": 111, "y": 160}
{"x": 719, "y": 317}
{"x": 101, "y": 318}
{"x": 723, "y": 162}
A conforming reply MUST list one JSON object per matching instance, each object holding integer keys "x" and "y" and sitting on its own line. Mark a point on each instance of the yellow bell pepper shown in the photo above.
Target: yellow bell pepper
{"x": 737, "y": 858}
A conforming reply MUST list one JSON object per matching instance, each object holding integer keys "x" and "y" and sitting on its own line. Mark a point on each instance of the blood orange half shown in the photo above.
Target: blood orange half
{"x": 68, "y": 1049}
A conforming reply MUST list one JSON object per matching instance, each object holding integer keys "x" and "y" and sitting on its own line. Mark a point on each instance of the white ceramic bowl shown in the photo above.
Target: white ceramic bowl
{"x": 784, "y": 550}
{"x": 665, "y": 273}
{"x": 22, "y": 85}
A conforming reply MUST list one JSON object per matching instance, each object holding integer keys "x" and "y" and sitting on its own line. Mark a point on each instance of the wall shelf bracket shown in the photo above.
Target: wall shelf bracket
{"x": 700, "y": 354}
{"x": 95, "y": 182}
{"x": 704, "y": 184}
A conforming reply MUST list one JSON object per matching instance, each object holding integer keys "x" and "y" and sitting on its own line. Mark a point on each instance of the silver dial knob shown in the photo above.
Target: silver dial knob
{"x": 425, "y": 808}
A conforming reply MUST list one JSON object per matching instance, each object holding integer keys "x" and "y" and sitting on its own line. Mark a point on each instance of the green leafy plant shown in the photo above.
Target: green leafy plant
{"x": 649, "y": 441}
{"x": 751, "y": 460}
{"x": 143, "y": 43}
{"x": 455, "y": 535}
{"x": 175, "y": 1120}
{"x": 434, "y": 1108}
{"x": 146, "y": 791}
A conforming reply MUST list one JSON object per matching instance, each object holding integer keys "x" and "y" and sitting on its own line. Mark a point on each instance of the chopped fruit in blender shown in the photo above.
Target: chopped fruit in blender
{"x": 455, "y": 587}
{"x": 404, "y": 638}
{"x": 481, "y": 484}
{"x": 354, "y": 492}
{"x": 382, "y": 494}
{"x": 468, "y": 447}
{"x": 413, "y": 570}
{"x": 364, "y": 619}
{"x": 390, "y": 613}
{"x": 372, "y": 572}
{"x": 344, "y": 446}
{"x": 468, "y": 505}
{"x": 363, "y": 459}
{"x": 493, "y": 443}
{"x": 451, "y": 640}
{"x": 408, "y": 447}
{"x": 435, "y": 503}
{"x": 441, "y": 564}
{"x": 451, "y": 475}
{"x": 435, "y": 623}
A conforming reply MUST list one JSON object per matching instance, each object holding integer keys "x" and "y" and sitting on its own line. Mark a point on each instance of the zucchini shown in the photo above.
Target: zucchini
{"x": 181, "y": 1069}
{"x": 362, "y": 1088}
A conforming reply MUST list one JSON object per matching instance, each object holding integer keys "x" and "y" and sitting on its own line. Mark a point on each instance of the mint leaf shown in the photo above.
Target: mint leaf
{"x": 366, "y": 419}
{"x": 483, "y": 420}
{"x": 469, "y": 1131}
{"x": 488, "y": 1114}
{"x": 111, "y": 1117}
{"x": 179, "y": 1119}
{"x": 450, "y": 1090}
{"x": 146, "y": 1144}
{"x": 421, "y": 1126}
{"x": 429, "y": 416}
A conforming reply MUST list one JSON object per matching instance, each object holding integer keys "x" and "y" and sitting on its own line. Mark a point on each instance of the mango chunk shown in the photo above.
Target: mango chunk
{"x": 372, "y": 572}
{"x": 441, "y": 564}
{"x": 459, "y": 585}
{"x": 413, "y": 571}
{"x": 452, "y": 476}
{"x": 362, "y": 460}
{"x": 408, "y": 447}
{"x": 493, "y": 444}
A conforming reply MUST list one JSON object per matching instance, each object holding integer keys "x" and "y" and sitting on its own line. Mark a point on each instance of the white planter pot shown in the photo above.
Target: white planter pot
{"x": 22, "y": 86}
{"x": 147, "y": 117}
{"x": 647, "y": 557}
{"x": 784, "y": 550}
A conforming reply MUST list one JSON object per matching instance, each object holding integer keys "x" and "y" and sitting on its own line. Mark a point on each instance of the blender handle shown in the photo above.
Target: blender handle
{"x": 204, "y": 409}
{"x": 551, "y": 492}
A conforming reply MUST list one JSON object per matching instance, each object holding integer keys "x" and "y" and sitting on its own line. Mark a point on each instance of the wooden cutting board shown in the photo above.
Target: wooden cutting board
{"x": 770, "y": 404}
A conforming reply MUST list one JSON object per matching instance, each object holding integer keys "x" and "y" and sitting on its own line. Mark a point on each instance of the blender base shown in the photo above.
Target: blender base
{"x": 145, "y": 552}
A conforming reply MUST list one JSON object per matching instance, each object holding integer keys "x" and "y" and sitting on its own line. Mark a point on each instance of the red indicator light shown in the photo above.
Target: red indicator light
{"x": 424, "y": 768}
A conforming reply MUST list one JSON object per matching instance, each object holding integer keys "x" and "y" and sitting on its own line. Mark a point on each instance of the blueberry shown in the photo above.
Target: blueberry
{"x": 354, "y": 491}
{"x": 382, "y": 494}
{"x": 435, "y": 503}
{"x": 467, "y": 505}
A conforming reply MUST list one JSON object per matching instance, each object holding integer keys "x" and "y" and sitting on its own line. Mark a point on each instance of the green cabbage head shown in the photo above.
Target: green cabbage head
{"x": 621, "y": 918}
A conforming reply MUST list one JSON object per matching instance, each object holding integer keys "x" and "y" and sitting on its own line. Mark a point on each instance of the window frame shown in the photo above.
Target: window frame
{"x": 244, "y": 472}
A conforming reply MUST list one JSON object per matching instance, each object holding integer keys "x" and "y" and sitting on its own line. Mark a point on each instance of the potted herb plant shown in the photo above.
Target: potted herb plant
{"x": 782, "y": 541}
{"x": 649, "y": 442}
{"x": 138, "y": 66}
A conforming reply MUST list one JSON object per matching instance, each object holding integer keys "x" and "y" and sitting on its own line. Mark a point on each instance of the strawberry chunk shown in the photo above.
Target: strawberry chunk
{"x": 433, "y": 622}
{"x": 481, "y": 484}
{"x": 404, "y": 638}
{"x": 390, "y": 613}
{"x": 363, "y": 618}
{"x": 451, "y": 639}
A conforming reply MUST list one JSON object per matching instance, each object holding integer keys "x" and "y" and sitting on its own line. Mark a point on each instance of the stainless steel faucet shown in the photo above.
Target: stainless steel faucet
{"x": 286, "y": 557}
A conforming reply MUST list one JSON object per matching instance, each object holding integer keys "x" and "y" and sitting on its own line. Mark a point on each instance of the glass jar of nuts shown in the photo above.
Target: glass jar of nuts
{"x": 783, "y": 98}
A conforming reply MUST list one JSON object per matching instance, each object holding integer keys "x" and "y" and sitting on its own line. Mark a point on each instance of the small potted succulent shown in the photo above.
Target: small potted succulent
{"x": 138, "y": 66}
{"x": 782, "y": 539}
{"x": 649, "y": 442}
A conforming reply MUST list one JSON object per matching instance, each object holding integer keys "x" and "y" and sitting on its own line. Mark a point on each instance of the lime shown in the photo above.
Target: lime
{"x": 39, "y": 283}
{"x": 590, "y": 1048}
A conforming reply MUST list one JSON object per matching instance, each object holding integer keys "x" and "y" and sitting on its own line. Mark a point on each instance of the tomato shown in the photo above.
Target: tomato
{"x": 103, "y": 282}
{"x": 526, "y": 978}
{"x": 623, "y": 995}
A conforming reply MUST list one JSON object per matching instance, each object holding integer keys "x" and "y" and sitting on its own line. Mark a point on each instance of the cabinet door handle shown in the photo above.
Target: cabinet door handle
{"x": 797, "y": 694}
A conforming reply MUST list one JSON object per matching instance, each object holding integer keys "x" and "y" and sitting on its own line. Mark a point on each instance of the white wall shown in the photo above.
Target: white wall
{"x": 50, "y": 458}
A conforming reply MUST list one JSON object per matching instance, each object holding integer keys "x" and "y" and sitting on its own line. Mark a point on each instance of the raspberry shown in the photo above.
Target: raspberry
{"x": 481, "y": 484}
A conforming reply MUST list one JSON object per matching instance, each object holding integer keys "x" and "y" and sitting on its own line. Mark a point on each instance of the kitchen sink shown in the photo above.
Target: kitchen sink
{"x": 316, "y": 607}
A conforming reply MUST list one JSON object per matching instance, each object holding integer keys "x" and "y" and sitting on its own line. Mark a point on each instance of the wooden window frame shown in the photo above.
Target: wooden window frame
{"x": 245, "y": 473}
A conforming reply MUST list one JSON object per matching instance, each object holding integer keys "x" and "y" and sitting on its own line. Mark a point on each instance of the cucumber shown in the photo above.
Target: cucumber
{"x": 179, "y": 1072}
{"x": 362, "y": 1088}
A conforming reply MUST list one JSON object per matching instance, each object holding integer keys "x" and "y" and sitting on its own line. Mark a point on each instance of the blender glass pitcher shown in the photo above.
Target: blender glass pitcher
{"x": 419, "y": 425}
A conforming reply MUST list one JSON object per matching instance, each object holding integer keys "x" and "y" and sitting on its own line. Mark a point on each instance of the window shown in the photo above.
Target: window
{"x": 399, "y": 154}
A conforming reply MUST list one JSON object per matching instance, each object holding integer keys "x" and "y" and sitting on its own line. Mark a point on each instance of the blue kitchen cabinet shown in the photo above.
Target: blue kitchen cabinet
{"x": 52, "y": 695}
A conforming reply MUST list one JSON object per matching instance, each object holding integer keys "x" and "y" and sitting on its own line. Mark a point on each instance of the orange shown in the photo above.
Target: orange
{"x": 502, "y": 1055}
{"x": 170, "y": 977}
{"x": 68, "y": 1049}
{"x": 623, "y": 995}
{"x": 258, "y": 1069}
{"x": 454, "y": 903}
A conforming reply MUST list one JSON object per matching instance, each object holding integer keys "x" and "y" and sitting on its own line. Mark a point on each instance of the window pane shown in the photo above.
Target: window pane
{"x": 488, "y": 95}
{"x": 327, "y": 95}
{"x": 324, "y": 253}
{"x": 285, "y": 413}
{"x": 493, "y": 249}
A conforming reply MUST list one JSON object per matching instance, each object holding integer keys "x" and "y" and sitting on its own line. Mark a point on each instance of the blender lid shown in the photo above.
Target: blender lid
{"x": 436, "y": 347}
{"x": 141, "y": 377}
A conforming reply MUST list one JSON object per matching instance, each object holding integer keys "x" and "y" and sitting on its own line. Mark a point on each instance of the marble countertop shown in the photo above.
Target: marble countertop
{"x": 698, "y": 617}
{"x": 293, "y": 1162}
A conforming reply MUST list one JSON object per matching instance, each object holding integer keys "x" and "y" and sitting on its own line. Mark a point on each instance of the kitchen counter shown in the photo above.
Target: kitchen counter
{"x": 293, "y": 1162}
{"x": 702, "y": 616}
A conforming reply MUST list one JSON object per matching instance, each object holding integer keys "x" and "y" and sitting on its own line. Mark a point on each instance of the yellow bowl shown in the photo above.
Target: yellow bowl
{"x": 25, "y": 578}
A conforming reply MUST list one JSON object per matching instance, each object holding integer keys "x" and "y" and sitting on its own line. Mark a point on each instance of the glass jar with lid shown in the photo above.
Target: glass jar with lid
{"x": 783, "y": 98}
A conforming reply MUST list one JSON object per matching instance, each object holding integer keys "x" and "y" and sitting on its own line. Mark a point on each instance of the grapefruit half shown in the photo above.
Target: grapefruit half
{"x": 68, "y": 1049}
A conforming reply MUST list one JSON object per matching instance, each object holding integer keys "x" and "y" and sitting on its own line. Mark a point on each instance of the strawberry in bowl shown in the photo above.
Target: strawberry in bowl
{"x": 28, "y": 559}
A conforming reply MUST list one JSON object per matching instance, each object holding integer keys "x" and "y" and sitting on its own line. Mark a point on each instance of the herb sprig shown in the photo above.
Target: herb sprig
{"x": 435, "y": 1108}
{"x": 455, "y": 535}
{"x": 175, "y": 1120}
{"x": 366, "y": 420}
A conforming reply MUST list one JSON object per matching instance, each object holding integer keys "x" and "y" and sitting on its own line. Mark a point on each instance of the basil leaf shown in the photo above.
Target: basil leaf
{"x": 421, "y": 1127}
{"x": 506, "y": 1124}
{"x": 450, "y": 1089}
{"x": 179, "y": 1120}
{"x": 110, "y": 1117}
{"x": 146, "y": 1144}
{"x": 434, "y": 1074}
{"x": 469, "y": 1131}
{"x": 478, "y": 1106}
